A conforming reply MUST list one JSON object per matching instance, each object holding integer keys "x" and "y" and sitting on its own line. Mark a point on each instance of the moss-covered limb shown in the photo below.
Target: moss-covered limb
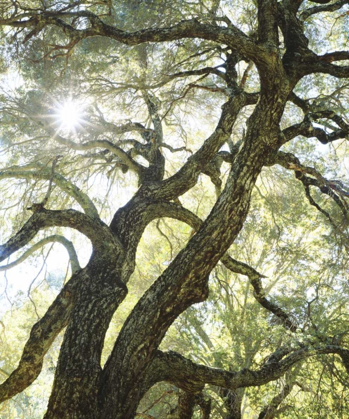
{"x": 152, "y": 200}
{"x": 187, "y": 176}
{"x": 180, "y": 213}
{"x": 100, "y": 235}
{"x": 268, "y": 24}
{"x": 185, "y": 374}
{"x": 78, "y": 372}
{"x": 326, "y": 6}
{"x": 42, "y": 335}
{"x": 45, "y": 173}
{"x": 56, "y": 238}
{"x": 184, "y": 282}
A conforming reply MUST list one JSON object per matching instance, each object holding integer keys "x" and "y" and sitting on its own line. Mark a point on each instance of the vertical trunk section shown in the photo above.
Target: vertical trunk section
{"x": 185, "y": 281}
{"x": 75, "y": 388}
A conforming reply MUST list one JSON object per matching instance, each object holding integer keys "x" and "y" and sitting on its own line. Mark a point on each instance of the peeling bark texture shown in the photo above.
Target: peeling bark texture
{"x": 82, "y": 388}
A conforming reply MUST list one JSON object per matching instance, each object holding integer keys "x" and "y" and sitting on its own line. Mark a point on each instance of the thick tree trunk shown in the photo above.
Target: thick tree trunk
{"x": 81, "y": 389}
{"x": 78, "y": 371}
{"x": 185, "y": 281}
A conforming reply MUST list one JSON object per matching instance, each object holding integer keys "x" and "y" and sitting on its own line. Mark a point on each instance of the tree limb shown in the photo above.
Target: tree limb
{"x": 42, "y": 172}
{"x": 231, "y": 35}
{"x": 325, "y": 8}
{"x": 259, "y": 292}
{"x": 178, "y": 212}
{"x": 306, "y": 129}
{"x": 56, "y": 238}
{"x": 185, "y": 374}
{"x": 333, "y": 188}
{"x": 99, "y": 233}
{"x": 105, "y": 144}
{"x": 186, "y": 177}
{"x": 43, "y": 333}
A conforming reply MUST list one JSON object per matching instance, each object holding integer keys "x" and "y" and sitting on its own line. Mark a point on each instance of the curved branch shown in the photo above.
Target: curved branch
{"x": 316, "y": 64}
{"x": 172, "y": 210}
{"x": 185, "y": 374}
{"x": 333, "y": 188}
{"x": 98, "y": 232}
{"x": 180, "y": 74}
{"x": 106, "y": 126}
{"x": 45, "y": 173}
{"x": 142, "y": 85}
{"x": 306, "y": 129}
{"x": 231, "y": 35}
{"x": 334, "y": 56}
{"x": 42, "y": 335}
{"x": 186, "y": 177}
{"x": 175, "y": 149}
{"x": 74, "y": 262}
{"x": 301, "y": 103}
{"x": 325, "y": 8}
{"x": 259, "y": 292}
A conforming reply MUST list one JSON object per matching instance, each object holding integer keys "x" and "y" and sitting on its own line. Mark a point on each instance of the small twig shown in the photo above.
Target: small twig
{"x": 49, "y": 190}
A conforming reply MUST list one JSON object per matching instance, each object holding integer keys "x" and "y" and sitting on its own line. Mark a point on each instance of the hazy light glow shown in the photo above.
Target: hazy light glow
{"x": 69, "y": 115}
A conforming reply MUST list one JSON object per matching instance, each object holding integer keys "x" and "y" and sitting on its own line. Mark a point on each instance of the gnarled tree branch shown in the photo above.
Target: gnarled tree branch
{"x": 99, "y": 233}
{"x": 184, "y": 373}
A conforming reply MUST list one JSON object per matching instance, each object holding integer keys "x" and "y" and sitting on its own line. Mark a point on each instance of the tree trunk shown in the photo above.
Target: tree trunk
{"x": 185, "y": 281}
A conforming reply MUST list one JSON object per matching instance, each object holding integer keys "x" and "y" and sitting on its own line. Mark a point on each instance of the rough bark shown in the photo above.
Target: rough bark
{"x": 85, "y": 306}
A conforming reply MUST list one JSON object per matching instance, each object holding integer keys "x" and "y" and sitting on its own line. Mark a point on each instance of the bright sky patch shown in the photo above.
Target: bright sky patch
{"x": 69, "y": 115}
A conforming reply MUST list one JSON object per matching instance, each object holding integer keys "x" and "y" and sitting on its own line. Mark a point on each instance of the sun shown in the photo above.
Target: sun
{"x": 69, "y": 115}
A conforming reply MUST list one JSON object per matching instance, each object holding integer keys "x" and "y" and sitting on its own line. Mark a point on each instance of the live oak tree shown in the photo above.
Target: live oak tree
{"x": 154, "y": 77}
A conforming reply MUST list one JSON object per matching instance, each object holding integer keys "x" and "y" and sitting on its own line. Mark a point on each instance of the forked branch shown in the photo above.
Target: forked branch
{"x": 99, "y": 233}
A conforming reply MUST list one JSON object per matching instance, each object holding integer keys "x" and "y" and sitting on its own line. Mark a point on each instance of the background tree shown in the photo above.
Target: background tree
{"x": 216, "y": 115}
